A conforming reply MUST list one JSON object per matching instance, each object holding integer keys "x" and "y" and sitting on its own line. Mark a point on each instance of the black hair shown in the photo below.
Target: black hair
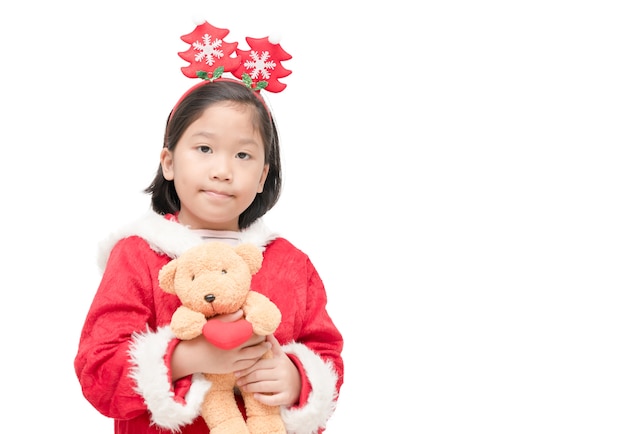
{"x": 164, "y": 197}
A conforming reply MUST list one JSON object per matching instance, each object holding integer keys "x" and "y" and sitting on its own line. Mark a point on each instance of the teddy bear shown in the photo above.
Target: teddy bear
{"x": 210, "y": 279}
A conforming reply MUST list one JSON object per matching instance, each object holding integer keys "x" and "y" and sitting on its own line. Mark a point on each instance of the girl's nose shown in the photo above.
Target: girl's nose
{"x": 220, "y": 169}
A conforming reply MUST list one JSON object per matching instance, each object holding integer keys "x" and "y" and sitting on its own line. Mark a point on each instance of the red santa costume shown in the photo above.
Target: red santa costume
{"x": 124, "y": 351}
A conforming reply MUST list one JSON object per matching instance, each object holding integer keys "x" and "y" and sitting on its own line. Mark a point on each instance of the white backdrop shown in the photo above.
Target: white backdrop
{"x": 454, "y": 169}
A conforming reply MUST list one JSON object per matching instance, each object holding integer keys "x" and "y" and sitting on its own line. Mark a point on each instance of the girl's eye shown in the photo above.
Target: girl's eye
{"x": 204, "y": 149}
{"x": 243, "y": 155}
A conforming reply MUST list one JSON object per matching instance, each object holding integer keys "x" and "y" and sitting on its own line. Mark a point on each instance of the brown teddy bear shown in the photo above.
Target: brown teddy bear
{"x": 210, "y": 279}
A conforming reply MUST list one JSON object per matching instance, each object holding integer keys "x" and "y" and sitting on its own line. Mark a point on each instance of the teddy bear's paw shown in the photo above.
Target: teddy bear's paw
{"x": 267, "y": 424}
{"x": 262, "y": 330}
{"x": 231, "y": 426}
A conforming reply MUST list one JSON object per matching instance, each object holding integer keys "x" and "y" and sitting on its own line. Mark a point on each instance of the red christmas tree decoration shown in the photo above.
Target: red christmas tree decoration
{"x": 208, "y": 51}
{"x": 261, "y": 66}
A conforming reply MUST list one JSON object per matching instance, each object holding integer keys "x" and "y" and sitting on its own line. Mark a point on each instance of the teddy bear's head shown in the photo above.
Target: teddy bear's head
{"x": 212, "y": 278}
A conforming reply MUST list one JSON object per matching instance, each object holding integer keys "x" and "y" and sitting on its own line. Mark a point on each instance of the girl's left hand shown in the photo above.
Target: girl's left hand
{"x": 274, "y": 381}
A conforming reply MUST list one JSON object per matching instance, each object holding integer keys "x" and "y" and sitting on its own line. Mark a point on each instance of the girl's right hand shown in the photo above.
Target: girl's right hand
{"x": 199, "y": 355}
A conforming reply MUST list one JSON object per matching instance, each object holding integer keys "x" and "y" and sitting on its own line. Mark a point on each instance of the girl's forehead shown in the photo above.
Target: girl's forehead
{"x": 223, "y": 113}
{"x": 229, "y": 122}
{"x": 230, "y": 109}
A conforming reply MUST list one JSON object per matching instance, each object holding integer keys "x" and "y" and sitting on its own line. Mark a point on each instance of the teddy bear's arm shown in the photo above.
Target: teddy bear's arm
{"x": 186, "y": 323}
{"x": 261, "y": 313}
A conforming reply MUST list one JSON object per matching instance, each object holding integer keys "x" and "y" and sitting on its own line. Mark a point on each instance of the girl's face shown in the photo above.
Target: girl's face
{"x": 218, "y": 167}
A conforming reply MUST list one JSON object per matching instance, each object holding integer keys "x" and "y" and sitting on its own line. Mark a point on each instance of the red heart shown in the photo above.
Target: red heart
{"x": 227, "y": 335}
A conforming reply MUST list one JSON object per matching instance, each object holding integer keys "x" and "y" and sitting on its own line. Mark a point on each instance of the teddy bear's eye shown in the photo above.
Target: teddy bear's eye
{"x": 224, "y": 272}
{"x": 193, "y": 277}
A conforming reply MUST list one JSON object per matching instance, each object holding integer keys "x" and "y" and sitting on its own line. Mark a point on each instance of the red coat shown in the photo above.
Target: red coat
{"x": 122, "y": 361}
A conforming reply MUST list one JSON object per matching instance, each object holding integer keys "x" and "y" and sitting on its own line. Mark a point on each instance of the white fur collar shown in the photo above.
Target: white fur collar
{"x": 171, "y": 238}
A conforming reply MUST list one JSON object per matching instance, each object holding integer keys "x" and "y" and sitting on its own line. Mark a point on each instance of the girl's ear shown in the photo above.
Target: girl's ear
{"x": 266, "y": 170}
{"x": 167, "y": 166}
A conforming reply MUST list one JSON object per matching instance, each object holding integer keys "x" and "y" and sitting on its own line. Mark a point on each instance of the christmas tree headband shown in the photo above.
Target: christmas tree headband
{"x": 210, "y": 56}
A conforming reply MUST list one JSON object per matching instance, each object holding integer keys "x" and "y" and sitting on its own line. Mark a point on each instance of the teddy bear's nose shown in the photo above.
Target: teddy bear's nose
{"x": 209, "y": 298}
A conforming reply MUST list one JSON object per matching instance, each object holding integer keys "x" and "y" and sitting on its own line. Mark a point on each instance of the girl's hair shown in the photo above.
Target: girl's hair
{"x": 164, "y": 197}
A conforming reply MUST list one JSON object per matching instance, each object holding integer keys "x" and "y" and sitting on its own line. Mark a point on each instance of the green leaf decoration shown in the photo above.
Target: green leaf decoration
{"x": 246, "y": 80}
{"x": 218, "y": 72}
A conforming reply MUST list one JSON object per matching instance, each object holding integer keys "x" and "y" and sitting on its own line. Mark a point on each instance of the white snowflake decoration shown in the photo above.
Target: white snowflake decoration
{"x": 207, "y": 49}
{"x": 260, "y": 65}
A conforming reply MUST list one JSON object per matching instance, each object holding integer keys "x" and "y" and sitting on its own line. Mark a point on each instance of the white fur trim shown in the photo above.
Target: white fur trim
{"x": 258, "y": 234}
{"x": 150, "y": 373}
{"x": 172, "y": 239}
{"x": 274, "y": 38}
{"x": 164, "y": 236}
{"x": 198, "y": 20}
{"x": 312, "y": 416}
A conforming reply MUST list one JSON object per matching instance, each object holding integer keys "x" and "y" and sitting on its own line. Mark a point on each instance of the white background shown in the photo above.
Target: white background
{"x": 454, "y": 169}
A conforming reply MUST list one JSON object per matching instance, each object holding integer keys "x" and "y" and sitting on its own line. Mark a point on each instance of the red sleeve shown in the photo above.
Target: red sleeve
{"x": 318, "y": 331}
{"x": 121, "y": 306}
{"x": 306, "y": 384}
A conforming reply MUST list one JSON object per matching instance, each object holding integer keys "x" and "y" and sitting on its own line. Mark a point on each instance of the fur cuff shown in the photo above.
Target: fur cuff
{"x": 151, "y": 374}
{"x": 313, "y": 415}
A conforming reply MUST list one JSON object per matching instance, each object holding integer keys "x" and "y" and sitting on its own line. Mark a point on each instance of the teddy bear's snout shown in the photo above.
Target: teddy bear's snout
{"x": 209, "y": 298}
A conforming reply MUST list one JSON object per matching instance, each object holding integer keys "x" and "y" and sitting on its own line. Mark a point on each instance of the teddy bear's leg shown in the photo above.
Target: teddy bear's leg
{"x": 261, "y": 418}
{"x": 220, "y": 410}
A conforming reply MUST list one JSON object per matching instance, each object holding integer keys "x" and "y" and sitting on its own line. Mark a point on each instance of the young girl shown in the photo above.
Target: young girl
{"x": 219, "y": 173}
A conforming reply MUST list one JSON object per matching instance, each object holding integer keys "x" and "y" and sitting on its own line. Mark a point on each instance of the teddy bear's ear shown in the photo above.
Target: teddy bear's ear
{"x": 251, "y": 255}
{"x": 166, "y": 276}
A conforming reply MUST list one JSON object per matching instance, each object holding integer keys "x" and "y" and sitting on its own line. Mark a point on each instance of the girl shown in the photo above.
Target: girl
{"x": 219, "y": 173}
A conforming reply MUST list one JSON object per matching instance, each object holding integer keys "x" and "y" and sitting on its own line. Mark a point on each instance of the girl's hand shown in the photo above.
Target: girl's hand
{"x": 274, "y": 381}
{"x": 199, "y": 355}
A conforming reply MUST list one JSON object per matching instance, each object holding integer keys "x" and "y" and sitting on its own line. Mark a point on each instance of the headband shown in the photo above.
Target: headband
{"x": 210, "y": 56}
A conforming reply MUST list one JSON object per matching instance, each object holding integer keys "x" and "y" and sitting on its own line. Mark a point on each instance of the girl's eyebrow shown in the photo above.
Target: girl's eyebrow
{"x": 203, "y": 134}
{"x": 210, "y": 135}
